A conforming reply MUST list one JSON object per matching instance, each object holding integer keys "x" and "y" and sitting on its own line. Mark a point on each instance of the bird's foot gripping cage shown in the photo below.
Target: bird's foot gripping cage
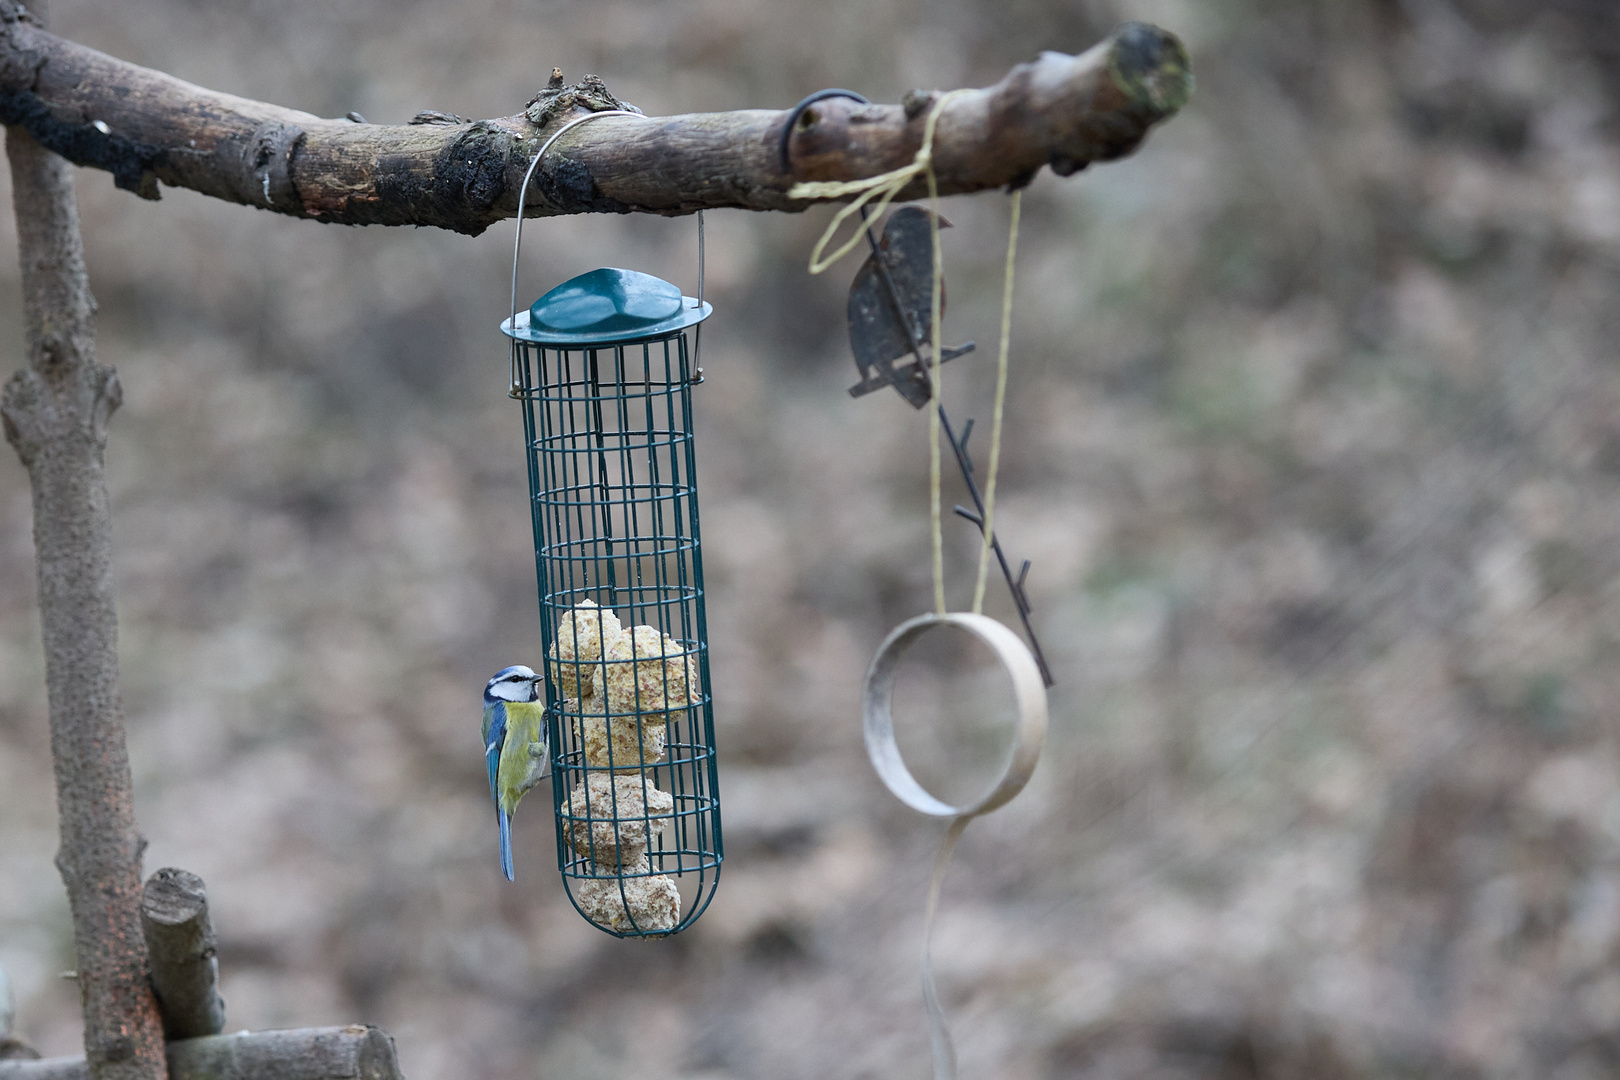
{"x": 602, "y": 368}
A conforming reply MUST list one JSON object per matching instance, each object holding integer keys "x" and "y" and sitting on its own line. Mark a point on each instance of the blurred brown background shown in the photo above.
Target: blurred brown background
{"x": 1314, "y": 442}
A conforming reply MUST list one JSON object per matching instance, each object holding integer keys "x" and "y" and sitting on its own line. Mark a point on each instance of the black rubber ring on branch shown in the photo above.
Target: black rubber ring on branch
{"x": 793, "y": 116}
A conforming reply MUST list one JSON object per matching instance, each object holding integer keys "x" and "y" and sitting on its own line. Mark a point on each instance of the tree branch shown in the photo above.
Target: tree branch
{"x": 55, "y": 414}
{"x": 180, "y": 939}
{"x": 355, "y": 1052}
{"x": 144, "y": 126}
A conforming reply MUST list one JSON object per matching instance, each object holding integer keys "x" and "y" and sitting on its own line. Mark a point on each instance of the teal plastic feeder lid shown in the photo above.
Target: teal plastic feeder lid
{"x": 607, "y": 307}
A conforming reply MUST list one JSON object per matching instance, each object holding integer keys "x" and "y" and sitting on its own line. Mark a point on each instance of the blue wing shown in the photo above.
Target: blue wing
{"x": 494, "y": 739}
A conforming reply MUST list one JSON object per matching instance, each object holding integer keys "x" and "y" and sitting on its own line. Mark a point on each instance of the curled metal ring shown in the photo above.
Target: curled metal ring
{"x": 1029, "y": 692}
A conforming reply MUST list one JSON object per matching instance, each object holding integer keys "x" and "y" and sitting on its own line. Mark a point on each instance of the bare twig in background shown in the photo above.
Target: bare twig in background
{"x": 55, "y": 413}
{"x": 355, "y": 1052}
{"x": 144, "y": 126}
{"x": 180, "y": 939}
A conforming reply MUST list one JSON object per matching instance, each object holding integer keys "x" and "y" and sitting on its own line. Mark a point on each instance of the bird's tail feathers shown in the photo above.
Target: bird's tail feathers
{"x": 506, "y": 843}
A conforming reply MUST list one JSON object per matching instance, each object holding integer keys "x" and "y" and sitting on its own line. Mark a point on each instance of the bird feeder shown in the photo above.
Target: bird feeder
{"x": 604, "y": 372}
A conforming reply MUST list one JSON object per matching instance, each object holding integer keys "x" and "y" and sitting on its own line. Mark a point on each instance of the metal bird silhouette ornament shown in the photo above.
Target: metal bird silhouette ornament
{"x": 889, "y": 317}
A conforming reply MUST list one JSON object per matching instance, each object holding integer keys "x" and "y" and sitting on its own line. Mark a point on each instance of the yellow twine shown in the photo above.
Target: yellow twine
{"x": 884, "y": 187}
{"x": 936, "y": 383}
{"x": 1001, "y": 400}
{"x": 939, "y": 1035}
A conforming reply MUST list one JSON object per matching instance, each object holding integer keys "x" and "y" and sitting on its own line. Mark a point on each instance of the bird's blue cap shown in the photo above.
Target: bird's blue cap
{"x": 607, "y": 306}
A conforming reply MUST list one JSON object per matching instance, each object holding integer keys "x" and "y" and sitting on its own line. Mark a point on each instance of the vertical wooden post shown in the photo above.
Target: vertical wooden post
{"x": 55, "y": 413}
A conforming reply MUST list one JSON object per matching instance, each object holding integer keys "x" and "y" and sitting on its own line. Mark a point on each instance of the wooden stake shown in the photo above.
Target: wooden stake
{"x": 332, "y": 1053}
{"x": 180, "y": 939}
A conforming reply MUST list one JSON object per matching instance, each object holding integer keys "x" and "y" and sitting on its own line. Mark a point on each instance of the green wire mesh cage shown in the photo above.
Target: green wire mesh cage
{"x": 602, "y": 368}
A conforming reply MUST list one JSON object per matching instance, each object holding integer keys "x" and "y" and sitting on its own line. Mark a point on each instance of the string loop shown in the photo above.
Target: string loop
{"x": 883, "y": 187}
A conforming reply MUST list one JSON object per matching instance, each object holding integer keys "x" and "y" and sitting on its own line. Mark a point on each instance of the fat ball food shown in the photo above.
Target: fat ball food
{"x": 610, "y": 817}
{"x": 634, "y": 743}
{"x": 626, "y": 687}
{"x": 648, "y": 672}
{"x": 576, "y": 655}
{"x": 648, "y": 903}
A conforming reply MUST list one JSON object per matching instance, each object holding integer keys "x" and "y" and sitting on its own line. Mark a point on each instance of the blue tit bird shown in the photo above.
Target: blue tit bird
{"x": 516, "y": 750}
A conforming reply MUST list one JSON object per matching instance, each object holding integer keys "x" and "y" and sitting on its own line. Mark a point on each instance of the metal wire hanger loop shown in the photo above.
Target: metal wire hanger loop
{"x": 523, "y": 192}
{"x": 517, "y": 242}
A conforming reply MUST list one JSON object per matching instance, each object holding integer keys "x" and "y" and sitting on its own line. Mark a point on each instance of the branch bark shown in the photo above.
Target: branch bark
{"x": 54, "y": 413}
{"x": 144, "y": 127}
{"x": 185, "y": 967}
{"x": 355, "y": 1052}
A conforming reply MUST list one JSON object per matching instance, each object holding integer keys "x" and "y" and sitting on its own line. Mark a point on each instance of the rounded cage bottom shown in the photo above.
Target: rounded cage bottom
{"x": 639, "y": 848}
{"x": 645, "y": 903}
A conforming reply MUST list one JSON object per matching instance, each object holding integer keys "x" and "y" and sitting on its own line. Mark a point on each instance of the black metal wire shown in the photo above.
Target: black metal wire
{"x": 797, "y": 110}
